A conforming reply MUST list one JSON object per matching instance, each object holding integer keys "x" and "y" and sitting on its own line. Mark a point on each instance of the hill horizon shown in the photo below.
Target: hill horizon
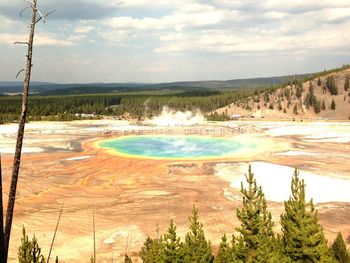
{"x": 44, "y": 86}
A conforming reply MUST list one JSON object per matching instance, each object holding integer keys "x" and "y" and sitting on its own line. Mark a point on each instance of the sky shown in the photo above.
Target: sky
{"x": 87, "y": 41}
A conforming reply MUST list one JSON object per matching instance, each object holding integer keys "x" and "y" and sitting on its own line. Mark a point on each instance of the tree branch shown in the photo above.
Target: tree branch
{"x": 20, "y": 14}
{"x": 21, "y": 43}
{"x": 19, "y": 72}
{"x": 43, "y": 16}
{"x": 31, "y": 3}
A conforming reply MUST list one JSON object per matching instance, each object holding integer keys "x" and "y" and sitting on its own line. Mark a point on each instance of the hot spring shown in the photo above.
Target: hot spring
{"x": 178, "y": 147}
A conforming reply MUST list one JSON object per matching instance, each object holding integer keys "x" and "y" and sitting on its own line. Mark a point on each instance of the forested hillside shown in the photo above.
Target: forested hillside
{"x": 325, "y": 95}
{"x": 137, "y": 104}
{"x": 45, "y": 88}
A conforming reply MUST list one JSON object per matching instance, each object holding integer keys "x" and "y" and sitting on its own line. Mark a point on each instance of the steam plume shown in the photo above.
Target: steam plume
{"x": 170, "y": 117}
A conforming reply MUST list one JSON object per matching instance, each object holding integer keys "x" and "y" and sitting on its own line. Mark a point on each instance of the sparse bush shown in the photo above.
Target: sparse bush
{"x": 347, "y": 83}
{"x": 333, "y": 105}
{"x": 331, "y": 85}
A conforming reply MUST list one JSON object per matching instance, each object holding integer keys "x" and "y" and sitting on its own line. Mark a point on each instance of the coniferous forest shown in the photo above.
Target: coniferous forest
{"x": 138, "y": 104}
{"x": 300, "y": 239}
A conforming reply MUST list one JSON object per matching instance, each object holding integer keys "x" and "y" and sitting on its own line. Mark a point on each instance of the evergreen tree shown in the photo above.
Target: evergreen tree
{"x": 196, "y": 248}
{"x": 299, "y": 90}
{"x": 257, "y": 240}
{"x": 172, "y": 247}
{"x": 331, "y": 85}
{"x": 339, "y": 250}
{"x": 24, "y": 251}
{"x": 317, "y": 106}
{"x": 36, "y": 252}
{"x": 295, "y": 109}
{"x": 333, "y": 105}
{"x": 29, "y": 251}
{"x": 151, "y": 250}
{"x": 127, "y": 259}
{"x": 319, "y": 83}
{"x": 347, "y": 83}
{"x": 303, "y": 239}
{"x": 227, "y": 251}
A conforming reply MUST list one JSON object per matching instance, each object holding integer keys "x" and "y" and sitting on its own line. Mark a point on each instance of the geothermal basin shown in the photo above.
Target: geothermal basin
{"x": 179, "y": 147}
{"x": 138, "y": 177}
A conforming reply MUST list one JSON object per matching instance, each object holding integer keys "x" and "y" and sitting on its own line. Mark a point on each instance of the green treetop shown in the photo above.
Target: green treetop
{"x": 29, "y": 251}
{"x": 227, "y": 252}
{"x": 172, "y": 247}
{"x": 302, "y": 239}
{"x": 151, "y": 250}
{"x": 339, "y": 251}
{"x": 256, "y": 241}
{"x": 196, "y": 248}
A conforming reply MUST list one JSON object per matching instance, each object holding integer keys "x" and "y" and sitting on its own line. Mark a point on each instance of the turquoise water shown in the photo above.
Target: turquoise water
{"x": 176, "y": 146}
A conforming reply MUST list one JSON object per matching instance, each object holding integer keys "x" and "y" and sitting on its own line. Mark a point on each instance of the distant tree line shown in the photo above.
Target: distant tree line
{"x": 137, "y": 104}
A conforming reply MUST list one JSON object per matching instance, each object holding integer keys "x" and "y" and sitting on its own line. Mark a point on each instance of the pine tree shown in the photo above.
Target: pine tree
{"x": 333, "y": 105}
{"x": 331, "y": 85}
{"x": 151, "y": 250}
{"x": 339, "y": 250}
{"x": 227, "y": 251}
{"x": 196, "y": 248}
{"x": 299, "y": 90}
{"x": 257, "y": 240}
{"x": 127, "y": 259}
{"x": 29, "y": 251}
{"x": 303, "y": 239}
{"x": 317, "y": 106}
{"x": 24, "y": 251}
{"x": 347, "y": 83}
{"x": 295, "y": 109}
{"x": 36, "y": 252}
{"x": 172, "y": 247}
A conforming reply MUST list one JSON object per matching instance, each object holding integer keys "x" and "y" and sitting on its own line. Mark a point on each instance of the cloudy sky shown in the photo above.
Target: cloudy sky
{"x": 172, "y": 40}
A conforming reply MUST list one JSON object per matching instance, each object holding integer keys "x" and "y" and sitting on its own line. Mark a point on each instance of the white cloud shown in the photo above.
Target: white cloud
{"x": 192, "y": 31}
{"x": 39, "y": 40}
{"x": 83, "y": 29}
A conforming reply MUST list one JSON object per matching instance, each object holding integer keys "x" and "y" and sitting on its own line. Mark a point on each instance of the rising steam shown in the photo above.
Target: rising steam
{"x": 170, "y": 117}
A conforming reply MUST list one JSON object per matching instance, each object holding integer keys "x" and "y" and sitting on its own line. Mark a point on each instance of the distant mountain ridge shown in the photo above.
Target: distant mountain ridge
{"x": 47, "y": 88}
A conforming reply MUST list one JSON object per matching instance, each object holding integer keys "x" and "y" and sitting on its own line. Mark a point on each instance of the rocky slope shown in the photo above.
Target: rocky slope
{"x": 311, "y": 99}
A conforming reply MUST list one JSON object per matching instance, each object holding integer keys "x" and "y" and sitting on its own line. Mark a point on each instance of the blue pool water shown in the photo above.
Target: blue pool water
{"x": 176, "y": 147}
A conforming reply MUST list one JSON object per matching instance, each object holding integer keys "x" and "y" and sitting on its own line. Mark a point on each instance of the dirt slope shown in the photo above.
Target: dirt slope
{"x": 285, "y": 102}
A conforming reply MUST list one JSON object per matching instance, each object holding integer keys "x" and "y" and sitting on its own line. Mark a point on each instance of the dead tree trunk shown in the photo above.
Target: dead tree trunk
{"x": 94, "y": 230}
{"x": 2, "y": 241}
{"x": 20, "y": 134}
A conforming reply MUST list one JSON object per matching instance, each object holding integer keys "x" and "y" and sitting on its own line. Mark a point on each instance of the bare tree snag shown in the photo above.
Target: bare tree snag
{"x": 54, "y": 235}
{"x": 2, "y": 241}
{"x": 94, "y": 230}
{"x": 20, "y": 134}
{"x": 5, "y": 233}
{"x": 22, "y": 121}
